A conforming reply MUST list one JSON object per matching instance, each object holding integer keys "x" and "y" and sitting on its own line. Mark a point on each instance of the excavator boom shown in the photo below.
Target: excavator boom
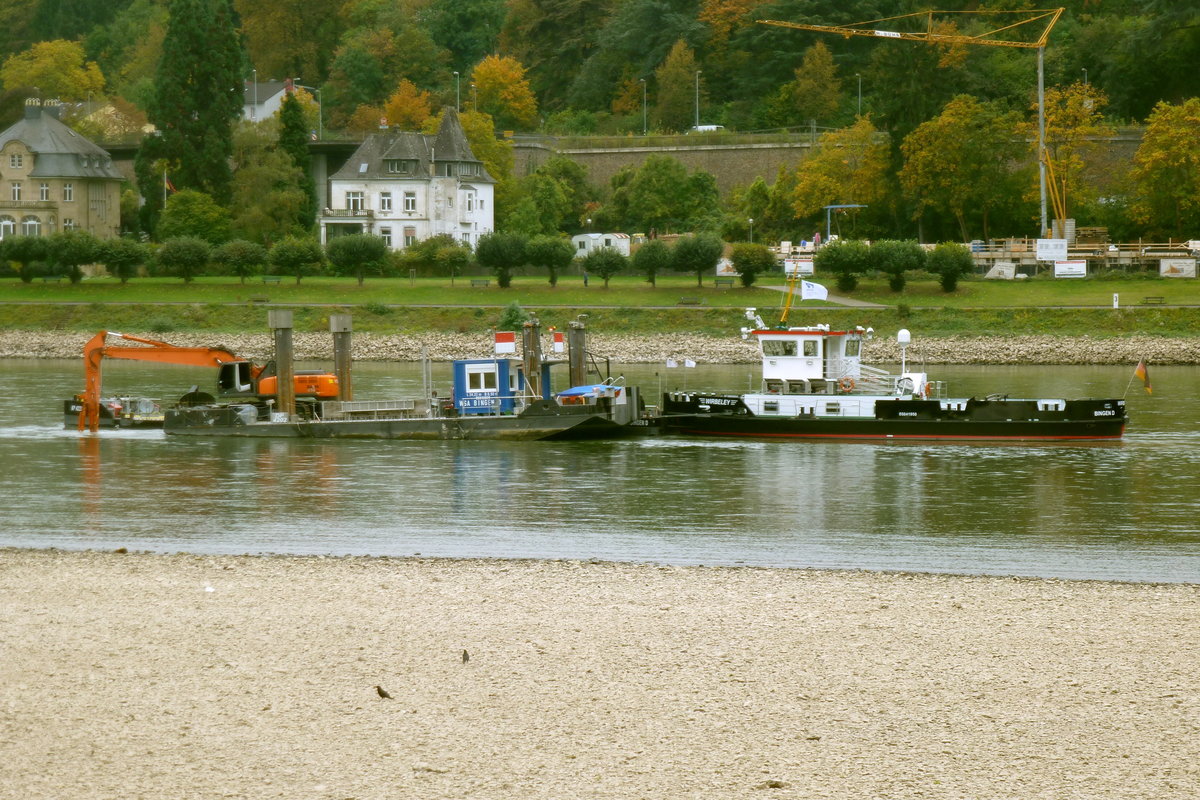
{"x": 97, "y": 349}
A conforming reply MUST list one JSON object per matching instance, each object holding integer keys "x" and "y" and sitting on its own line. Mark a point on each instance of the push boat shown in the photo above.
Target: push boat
{"x": 501, "y": 398}
{"x": 815, "y": 386}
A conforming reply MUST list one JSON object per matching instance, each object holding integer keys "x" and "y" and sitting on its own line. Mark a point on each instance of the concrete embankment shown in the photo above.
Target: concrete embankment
{"x": 654, "y": 348}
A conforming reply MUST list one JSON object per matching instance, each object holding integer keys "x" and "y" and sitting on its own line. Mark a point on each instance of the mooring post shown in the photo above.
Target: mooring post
{"x": 577, "y": 353}
{"x": 531, "y": 353}
{"x": 280, "y": 321}
{"x": 340, "y": 326}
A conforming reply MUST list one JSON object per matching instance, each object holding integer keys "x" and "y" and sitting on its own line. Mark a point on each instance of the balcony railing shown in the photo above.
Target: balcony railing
{"x": 350, "y": 213}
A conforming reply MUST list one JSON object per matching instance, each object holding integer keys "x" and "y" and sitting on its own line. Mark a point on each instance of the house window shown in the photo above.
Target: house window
{"x": 31, "y": 226}
{"x": 16, "y": 192}
{"x": 470, "y": 201}
{"x": 398, "y": 166}
{"x": 386, "y": 235}
{"x": 68, "y": 193}
{"x": 466, "y": 237}
{"x": 481, "y": 204}
{"x": 15, "y": 160}
{"x": 582, "y": 244}
{"x": 8, "y": 226}
{"x": 410, "y": 236}
{"x": 68, "y": 224}
{"x": 449, "y": 202}
{"x": 385, "y": 201}
{"x": 44, "y": 191}
{"x": 354, "y": 201}
{"x": 410, "y": 202}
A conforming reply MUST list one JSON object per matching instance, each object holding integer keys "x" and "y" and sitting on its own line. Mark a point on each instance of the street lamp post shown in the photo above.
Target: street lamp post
{"x": 752, "y": 230}
{"x": 697, "y": 98}
{"x": 474, "y": 98}
{"x": 254, "y": 109}
{"x": 859, "y": 93}
{"x": 1085, "y": 76}
{"x": 457, "y": 101}
{"x": 643, "y": 80}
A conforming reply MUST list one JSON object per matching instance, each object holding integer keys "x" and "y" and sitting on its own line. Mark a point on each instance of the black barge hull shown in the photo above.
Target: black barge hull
{"x": 915, "y": 420}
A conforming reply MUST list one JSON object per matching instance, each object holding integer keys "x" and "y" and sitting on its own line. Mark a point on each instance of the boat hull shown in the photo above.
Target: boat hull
{"x": 915, "y": 420}
{"x": 540, "y": 422}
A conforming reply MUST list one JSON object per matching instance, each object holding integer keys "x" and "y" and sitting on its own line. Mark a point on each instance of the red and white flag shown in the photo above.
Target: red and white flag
{"x": 506, "y": 342}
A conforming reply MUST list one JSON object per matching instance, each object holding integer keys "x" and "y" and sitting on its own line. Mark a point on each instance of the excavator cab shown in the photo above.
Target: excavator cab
{"x": 236, "y": 377}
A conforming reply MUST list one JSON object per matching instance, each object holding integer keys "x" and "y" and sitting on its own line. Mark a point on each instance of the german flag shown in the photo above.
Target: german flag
{"x": 1141, "y": 374}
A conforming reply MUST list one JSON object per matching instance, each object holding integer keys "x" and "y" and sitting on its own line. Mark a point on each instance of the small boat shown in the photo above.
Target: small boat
{"x": 116, "y": 412}
{"x": 815, "y": 386}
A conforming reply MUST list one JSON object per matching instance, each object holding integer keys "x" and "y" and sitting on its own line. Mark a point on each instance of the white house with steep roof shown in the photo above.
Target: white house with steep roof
{"x": 406, "y": 187}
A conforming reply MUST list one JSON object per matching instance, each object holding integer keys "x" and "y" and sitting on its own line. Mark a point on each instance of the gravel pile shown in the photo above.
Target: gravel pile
{"x": 656, "y": 349}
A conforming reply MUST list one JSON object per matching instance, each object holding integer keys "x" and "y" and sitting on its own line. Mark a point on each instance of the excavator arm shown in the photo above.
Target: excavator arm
{"x": 97, "y": 349}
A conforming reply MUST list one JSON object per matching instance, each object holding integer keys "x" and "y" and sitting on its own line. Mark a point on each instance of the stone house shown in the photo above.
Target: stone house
{"x": 406, "y": 187}
{"x": 53, "y": 179}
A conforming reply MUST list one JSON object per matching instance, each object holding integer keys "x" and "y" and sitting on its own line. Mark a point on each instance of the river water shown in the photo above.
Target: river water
{"x": 1122, "y": 511}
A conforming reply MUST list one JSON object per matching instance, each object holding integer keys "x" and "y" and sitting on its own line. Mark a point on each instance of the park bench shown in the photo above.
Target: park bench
{"x": 690, "y": 301}
{"x": 726, "y": 282}
{"x": 1153, "y": 301}
{"x": 484, "y": 282}
{"x": 49, "y": 278}
{"x": 259, "y": 298}
{"x": 271, "y": 278}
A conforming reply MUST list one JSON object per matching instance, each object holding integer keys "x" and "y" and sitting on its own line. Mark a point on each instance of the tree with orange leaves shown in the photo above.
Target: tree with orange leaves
{"x": 502, "y": 90}
{"x": 408, "y": 107}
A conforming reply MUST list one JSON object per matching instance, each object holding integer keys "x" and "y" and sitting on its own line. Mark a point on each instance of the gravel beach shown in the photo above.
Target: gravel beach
{"x": 178, "y": 676}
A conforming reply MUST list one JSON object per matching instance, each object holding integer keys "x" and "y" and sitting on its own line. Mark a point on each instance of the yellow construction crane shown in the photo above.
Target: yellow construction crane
{"x": 1020, "y": 21}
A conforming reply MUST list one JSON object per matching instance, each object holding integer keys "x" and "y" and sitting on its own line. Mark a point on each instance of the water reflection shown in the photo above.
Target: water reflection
{"x": 1123, "y": 510}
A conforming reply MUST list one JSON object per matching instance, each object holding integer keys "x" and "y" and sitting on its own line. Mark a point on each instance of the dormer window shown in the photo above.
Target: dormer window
{"x": 15, "y": 160}
{"x": 399, "y": 166}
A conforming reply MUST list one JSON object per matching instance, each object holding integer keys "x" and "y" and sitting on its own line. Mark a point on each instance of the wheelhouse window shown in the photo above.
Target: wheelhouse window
{"x": 779, "y": 348}
{"x": 481, "y": 378}
{"x": 811, "y": 350}
{"x": 853, "y": 347}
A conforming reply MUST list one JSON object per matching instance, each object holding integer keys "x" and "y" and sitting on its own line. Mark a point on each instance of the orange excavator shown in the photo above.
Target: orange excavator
{"x": 237, "y": 376}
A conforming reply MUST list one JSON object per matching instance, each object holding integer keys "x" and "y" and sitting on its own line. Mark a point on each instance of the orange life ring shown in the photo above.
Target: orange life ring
{"x": 846, "y": 385}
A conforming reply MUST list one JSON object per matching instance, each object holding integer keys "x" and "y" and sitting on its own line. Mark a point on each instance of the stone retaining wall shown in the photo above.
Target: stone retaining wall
{"x": 649, "y": 350}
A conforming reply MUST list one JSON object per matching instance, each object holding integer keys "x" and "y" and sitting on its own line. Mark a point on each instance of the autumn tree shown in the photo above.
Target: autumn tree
{"x": 1166, "y": 170}
{"x": 815, "y": 92}
{"x": 408, "y": 107}
{"x": 57, "y": 68}
{"x": 848, "y": 166}
{"x": 1074, "y": 126}
{"x": 290, "y": 38}
{"x": 676, "y": 82}
{"x": 960, "y": 163}
{"x": 197, "y": 98}
{"x": 502, "y": 90}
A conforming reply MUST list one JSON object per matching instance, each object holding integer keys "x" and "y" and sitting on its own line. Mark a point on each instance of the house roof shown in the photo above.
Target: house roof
{"x": 266, "y": 90}
{"x": 60, "y": 152}
{"x": 449, "y": 145}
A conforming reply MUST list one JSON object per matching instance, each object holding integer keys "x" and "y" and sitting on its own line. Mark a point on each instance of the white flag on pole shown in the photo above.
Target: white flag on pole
{"x": 687, "y": 362}
{"x": 672, "y": 363}
{"x": 813, "y": 291}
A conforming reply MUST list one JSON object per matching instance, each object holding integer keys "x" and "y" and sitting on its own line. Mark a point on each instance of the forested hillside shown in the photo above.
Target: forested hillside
{"x": 625, "y": 66}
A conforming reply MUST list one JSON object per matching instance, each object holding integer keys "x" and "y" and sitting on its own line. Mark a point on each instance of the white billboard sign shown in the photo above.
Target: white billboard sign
{"x": 1177, "y": 267}
{"x": 1051, "y": 249}
{"x": 798, "y": 266}
{"x": 1070, "y": 269}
